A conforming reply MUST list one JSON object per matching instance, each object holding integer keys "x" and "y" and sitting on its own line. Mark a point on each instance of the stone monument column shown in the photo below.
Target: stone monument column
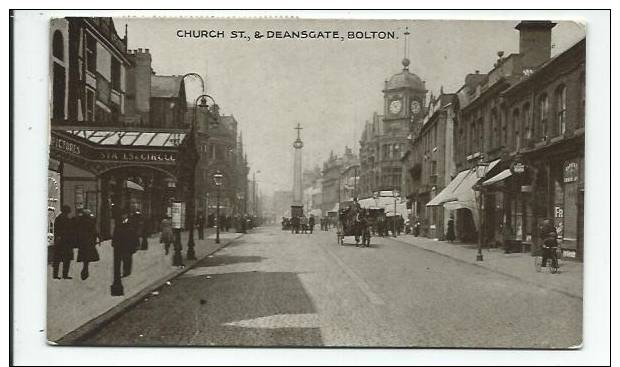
{"x": 297, "y": 204}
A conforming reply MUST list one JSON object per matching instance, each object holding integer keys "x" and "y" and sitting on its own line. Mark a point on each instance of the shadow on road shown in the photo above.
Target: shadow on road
{"x": 230, "y": 309}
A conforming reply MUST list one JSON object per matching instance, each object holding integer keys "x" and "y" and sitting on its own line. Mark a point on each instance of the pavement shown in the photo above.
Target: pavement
{"x": 569, "y": 279}
{"x": 76, "y": 307}
{"x": 273, "y": 288}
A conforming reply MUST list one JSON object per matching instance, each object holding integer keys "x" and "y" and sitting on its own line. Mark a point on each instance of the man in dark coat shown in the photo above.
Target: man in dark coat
{"x": 64, "y": 241}
{"x": 125, "y": 243}
{"x": 311, "y": 224}
{"x": 86, "y": 240}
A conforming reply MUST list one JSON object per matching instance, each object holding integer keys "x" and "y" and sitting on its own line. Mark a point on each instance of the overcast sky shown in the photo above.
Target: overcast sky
{"x": 331, "y": 87}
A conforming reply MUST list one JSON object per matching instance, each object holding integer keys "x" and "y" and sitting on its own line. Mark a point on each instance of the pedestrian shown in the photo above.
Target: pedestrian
{"x": 64, "y": 241}
{"x": 507, "y": 236}
{"x": 138, "y": 221}
{"x": 200, "y": 223}
{"x": 311, "y": 223}
{"x": 304, "y": 223}
{"x": 86, "y": 240}
{"x": 125, "y": 243}
{"x": 450, "y": 235}
{"x": 166, "y": 237}
{"x": 549, "y": 236}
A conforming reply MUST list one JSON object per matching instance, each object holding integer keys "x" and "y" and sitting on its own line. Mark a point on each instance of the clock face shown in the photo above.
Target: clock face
{"x": 395, "y": 106}
{"x": 415, "y": 107}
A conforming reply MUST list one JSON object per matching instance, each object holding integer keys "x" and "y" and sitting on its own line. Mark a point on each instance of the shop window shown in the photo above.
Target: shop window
{"x": 560, "y": 106}
{"x": 91, "y": 53}
{"x": 58, "y": 48}
{"x": 543, "y": 110}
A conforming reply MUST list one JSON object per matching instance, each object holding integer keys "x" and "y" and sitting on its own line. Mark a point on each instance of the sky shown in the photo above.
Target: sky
{"x": 331, "y": 87}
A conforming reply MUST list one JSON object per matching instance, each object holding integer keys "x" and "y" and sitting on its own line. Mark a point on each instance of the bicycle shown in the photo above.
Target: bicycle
{"x": 553, "y": 261}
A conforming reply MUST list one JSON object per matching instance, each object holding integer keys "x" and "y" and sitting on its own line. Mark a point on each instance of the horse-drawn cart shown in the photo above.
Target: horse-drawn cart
{"x": 356, "y": 222}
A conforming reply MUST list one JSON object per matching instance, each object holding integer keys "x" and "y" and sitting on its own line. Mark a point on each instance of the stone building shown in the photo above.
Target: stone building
{"x": 518, "y": 145}
{"x": 429, "y": 164}
{"x": 333, "y": 183}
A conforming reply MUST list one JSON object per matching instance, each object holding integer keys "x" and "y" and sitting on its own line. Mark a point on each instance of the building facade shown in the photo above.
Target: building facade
{"x": 519, "y": 145}
{"x": 333, "y": 186}
{"x": 429, "y": 165}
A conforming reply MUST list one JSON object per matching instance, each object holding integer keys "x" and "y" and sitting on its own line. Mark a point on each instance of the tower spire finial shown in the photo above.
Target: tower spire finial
{"x": 406, "y": 61}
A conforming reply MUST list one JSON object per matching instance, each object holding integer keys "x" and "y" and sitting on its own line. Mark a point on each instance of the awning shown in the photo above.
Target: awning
{"x": 499, "y": 177}
{"x": 446, "y": 194}
{"x": 335, "y": 208}
{"x": 134, "y": 186}
{"x": 461, "y": 188}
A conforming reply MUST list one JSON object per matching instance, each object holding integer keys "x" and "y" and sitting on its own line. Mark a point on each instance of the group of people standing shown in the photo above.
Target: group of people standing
{"x": 70, "y": 233}
{"x": 80, "y": 232}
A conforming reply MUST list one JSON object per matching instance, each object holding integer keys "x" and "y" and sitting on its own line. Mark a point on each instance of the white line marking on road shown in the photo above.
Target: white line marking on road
{"x": 304, "y": 320}
{"x": 361, "y": 283}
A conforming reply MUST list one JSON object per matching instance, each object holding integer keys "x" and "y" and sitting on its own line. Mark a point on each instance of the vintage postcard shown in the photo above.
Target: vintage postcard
{"x": 279, "y": 182}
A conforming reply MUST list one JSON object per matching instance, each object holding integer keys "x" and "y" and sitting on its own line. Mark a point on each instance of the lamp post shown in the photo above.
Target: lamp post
{"x": 480, "y": 168}
{"x": 217, "y": 178}
{"x": 213, "y": 116}
{"x": 396, "y": 195}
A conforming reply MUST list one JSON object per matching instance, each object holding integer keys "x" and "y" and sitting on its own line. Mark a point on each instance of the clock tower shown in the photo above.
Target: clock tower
{"x": 404, "y": 96}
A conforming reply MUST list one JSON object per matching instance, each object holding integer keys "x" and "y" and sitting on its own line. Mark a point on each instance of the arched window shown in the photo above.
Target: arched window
{"x": 560, "y": 108}
{"x": 58, "y": 46}
{"x": 543, "y": 113}
{"x": 515, "y": 129}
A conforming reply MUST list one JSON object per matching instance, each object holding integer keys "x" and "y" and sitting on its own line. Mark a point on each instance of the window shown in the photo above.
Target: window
{"x": 480, "y": 132}
{"x": 527, "y": 125}
{"x": 582, "y": 94}
{"x": 433, "y": 168}
{"x": 560, "y": 107}
{"x": 494, "y": 138}
{"x": 543, "y": 105}
{"x": 58, "y": 46}
{"x": 504, "y": 123}
{"x": 91, "y": 53}
{"x": 116, "y": 74}
{"x": 516, "y": 144}
{"x": 58, "y": 92}
{"x": 90, "y": 105}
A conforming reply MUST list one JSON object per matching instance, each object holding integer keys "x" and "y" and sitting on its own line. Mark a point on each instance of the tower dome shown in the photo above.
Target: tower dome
{"x": 405, "y": 79}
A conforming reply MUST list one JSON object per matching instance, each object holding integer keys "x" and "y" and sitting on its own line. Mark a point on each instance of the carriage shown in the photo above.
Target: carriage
{"x": 357, "y": 222}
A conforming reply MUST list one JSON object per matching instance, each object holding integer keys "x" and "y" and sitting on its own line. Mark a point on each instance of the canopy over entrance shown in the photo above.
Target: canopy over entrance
{"x": 99, "y": 151}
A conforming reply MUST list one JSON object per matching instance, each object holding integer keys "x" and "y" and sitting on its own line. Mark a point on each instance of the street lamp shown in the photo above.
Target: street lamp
{"x": 480, "y": 168}
{"x": 396, "y": 195}
{"x": 213, "y": 117}
{"x": 217, "y": 179}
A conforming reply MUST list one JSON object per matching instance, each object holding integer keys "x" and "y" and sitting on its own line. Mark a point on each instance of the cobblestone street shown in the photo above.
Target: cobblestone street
{"x": 273, "y": 288}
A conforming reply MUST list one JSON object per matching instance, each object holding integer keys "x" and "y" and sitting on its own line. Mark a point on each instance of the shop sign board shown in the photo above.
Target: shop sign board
{"x": 178, "y": 214}
{"x": 571, "y": 172}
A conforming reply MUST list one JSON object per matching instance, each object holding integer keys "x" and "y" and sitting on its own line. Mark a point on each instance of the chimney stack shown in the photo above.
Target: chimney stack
{"x": 534, "y": 42}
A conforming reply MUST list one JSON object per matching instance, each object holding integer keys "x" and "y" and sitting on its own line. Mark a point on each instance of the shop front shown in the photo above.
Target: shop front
{"x": 528, "y": 188}
{"x": 110, "y": 171}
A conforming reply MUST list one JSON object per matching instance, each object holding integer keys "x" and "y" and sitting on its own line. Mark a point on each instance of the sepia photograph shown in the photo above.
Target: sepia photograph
{"x": 308, "y": 182}
{"x": 343, "y": 183}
